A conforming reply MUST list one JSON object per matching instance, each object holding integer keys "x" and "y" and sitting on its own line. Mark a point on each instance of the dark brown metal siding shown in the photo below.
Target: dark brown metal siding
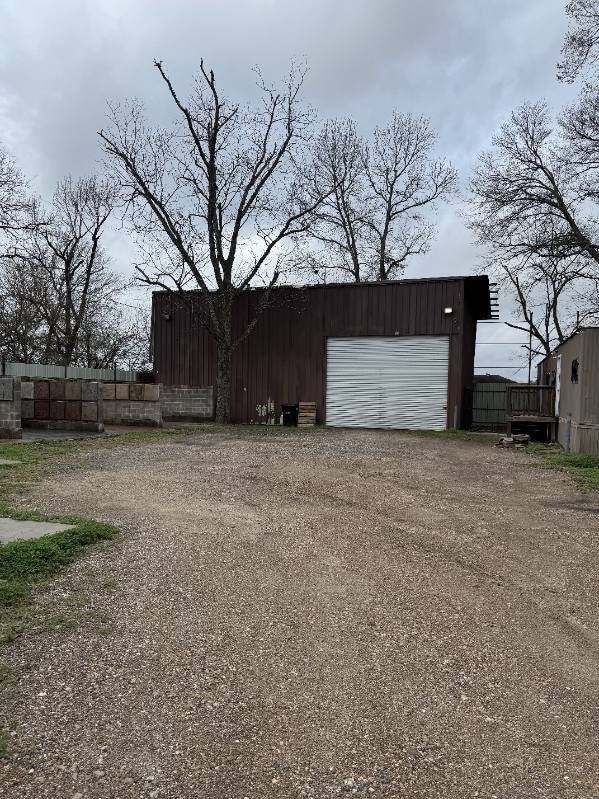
{"x": 284, "y": 358}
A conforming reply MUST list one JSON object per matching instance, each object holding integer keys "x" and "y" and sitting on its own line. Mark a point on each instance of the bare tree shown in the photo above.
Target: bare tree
{"x": 527, "y": 198}
{"x": 214, "y": 200}
{"x": 21, "y": 325}
{"x": 339, "y": 222}
{"x": 404, "y": 182}
{"x": 382, "y": 196}
{"x": 57, "y": 271}
{"x": 533, "y": 209}
{"x": 76, "y": 261}
{"x": 555, "y": 297}
{"x": 535, "y": 199}
{"x": 16, "y": 206}
{"x": 111, "y": 330}
{"x": 114, "y": 333}
{"x": 579, "y": 123}
{"x": 580, "y": 50}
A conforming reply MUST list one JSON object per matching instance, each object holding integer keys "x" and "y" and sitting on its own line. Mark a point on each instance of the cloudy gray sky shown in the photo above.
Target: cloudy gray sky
{"x": 464, "y": 63}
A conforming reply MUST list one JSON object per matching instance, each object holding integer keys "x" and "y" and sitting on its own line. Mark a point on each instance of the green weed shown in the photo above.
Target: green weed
{"x": 25, "y": 562}
{"x": 459, "y": 435}
{"x": 583, "y": 468}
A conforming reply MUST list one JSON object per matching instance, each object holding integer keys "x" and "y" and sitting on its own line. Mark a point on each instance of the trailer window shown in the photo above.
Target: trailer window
{"x": 574, "y": 373}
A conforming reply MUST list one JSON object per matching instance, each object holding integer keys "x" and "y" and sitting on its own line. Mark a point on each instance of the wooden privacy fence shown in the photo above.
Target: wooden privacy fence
{"x": 495, "y": 406}
{"x": 488, "y": 406}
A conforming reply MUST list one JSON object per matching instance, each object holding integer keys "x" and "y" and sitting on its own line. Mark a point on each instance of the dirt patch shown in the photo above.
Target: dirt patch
{"x": 313, "y": 615}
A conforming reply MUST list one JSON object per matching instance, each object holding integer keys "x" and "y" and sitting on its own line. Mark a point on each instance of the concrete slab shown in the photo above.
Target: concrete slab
{"x": 13, "y": 530}
{"x": 6, "y": 462}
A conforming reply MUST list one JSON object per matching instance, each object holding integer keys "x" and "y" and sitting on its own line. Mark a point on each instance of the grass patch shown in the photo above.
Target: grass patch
{"x": 12, "y": 592}
{"x": 35, "y": 451}
{"x": 23, "y": 563}
{"x": 10, "y": 630}
{"x": 582, "y": 467}
{"x": 38, "y": 457}
{"x": 459, "y": 435}
{"x": 26, "y": 562}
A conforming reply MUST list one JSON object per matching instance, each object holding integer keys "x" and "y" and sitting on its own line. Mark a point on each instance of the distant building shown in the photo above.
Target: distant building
{"x": 488, "y": 378}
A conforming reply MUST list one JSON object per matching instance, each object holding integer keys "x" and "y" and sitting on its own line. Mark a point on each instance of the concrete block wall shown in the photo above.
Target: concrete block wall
{"x": 10, "y": 407}
{"x": 186, "y": 403}
{"x": 132, "y": 404}
{"x": 62, "y": 404}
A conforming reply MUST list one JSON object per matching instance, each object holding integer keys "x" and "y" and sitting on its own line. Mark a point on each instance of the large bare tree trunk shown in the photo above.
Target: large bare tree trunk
{"x": 224, "y": 363}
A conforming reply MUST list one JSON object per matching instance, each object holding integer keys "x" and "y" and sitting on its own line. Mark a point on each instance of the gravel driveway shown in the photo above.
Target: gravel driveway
{"x": 314, "y": 614}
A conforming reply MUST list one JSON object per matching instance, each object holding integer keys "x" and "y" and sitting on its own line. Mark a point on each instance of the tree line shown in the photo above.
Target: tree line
{"x": 233, "y": 196}
{"x": 60, "y": 302}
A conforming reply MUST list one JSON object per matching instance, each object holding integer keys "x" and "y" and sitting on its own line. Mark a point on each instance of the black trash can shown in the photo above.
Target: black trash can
{"x": 290, "y": 415}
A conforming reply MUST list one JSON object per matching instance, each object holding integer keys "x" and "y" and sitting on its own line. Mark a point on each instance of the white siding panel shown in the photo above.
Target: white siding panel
{"x": 391, "y": 382}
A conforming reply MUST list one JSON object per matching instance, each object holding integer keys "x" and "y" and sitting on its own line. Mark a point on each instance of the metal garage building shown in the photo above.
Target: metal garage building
{"x": 392, "y": 355}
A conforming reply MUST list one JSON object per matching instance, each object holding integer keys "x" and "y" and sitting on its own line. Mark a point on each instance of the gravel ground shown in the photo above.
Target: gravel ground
{"x": 313, "y": 614}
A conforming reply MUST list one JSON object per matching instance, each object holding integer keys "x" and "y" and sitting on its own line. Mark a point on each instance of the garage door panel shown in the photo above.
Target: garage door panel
{"x": 390, "y": 382}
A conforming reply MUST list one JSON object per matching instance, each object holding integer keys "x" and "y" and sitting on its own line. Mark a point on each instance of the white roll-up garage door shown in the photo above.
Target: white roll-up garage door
{"x": 398, "y": 382}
